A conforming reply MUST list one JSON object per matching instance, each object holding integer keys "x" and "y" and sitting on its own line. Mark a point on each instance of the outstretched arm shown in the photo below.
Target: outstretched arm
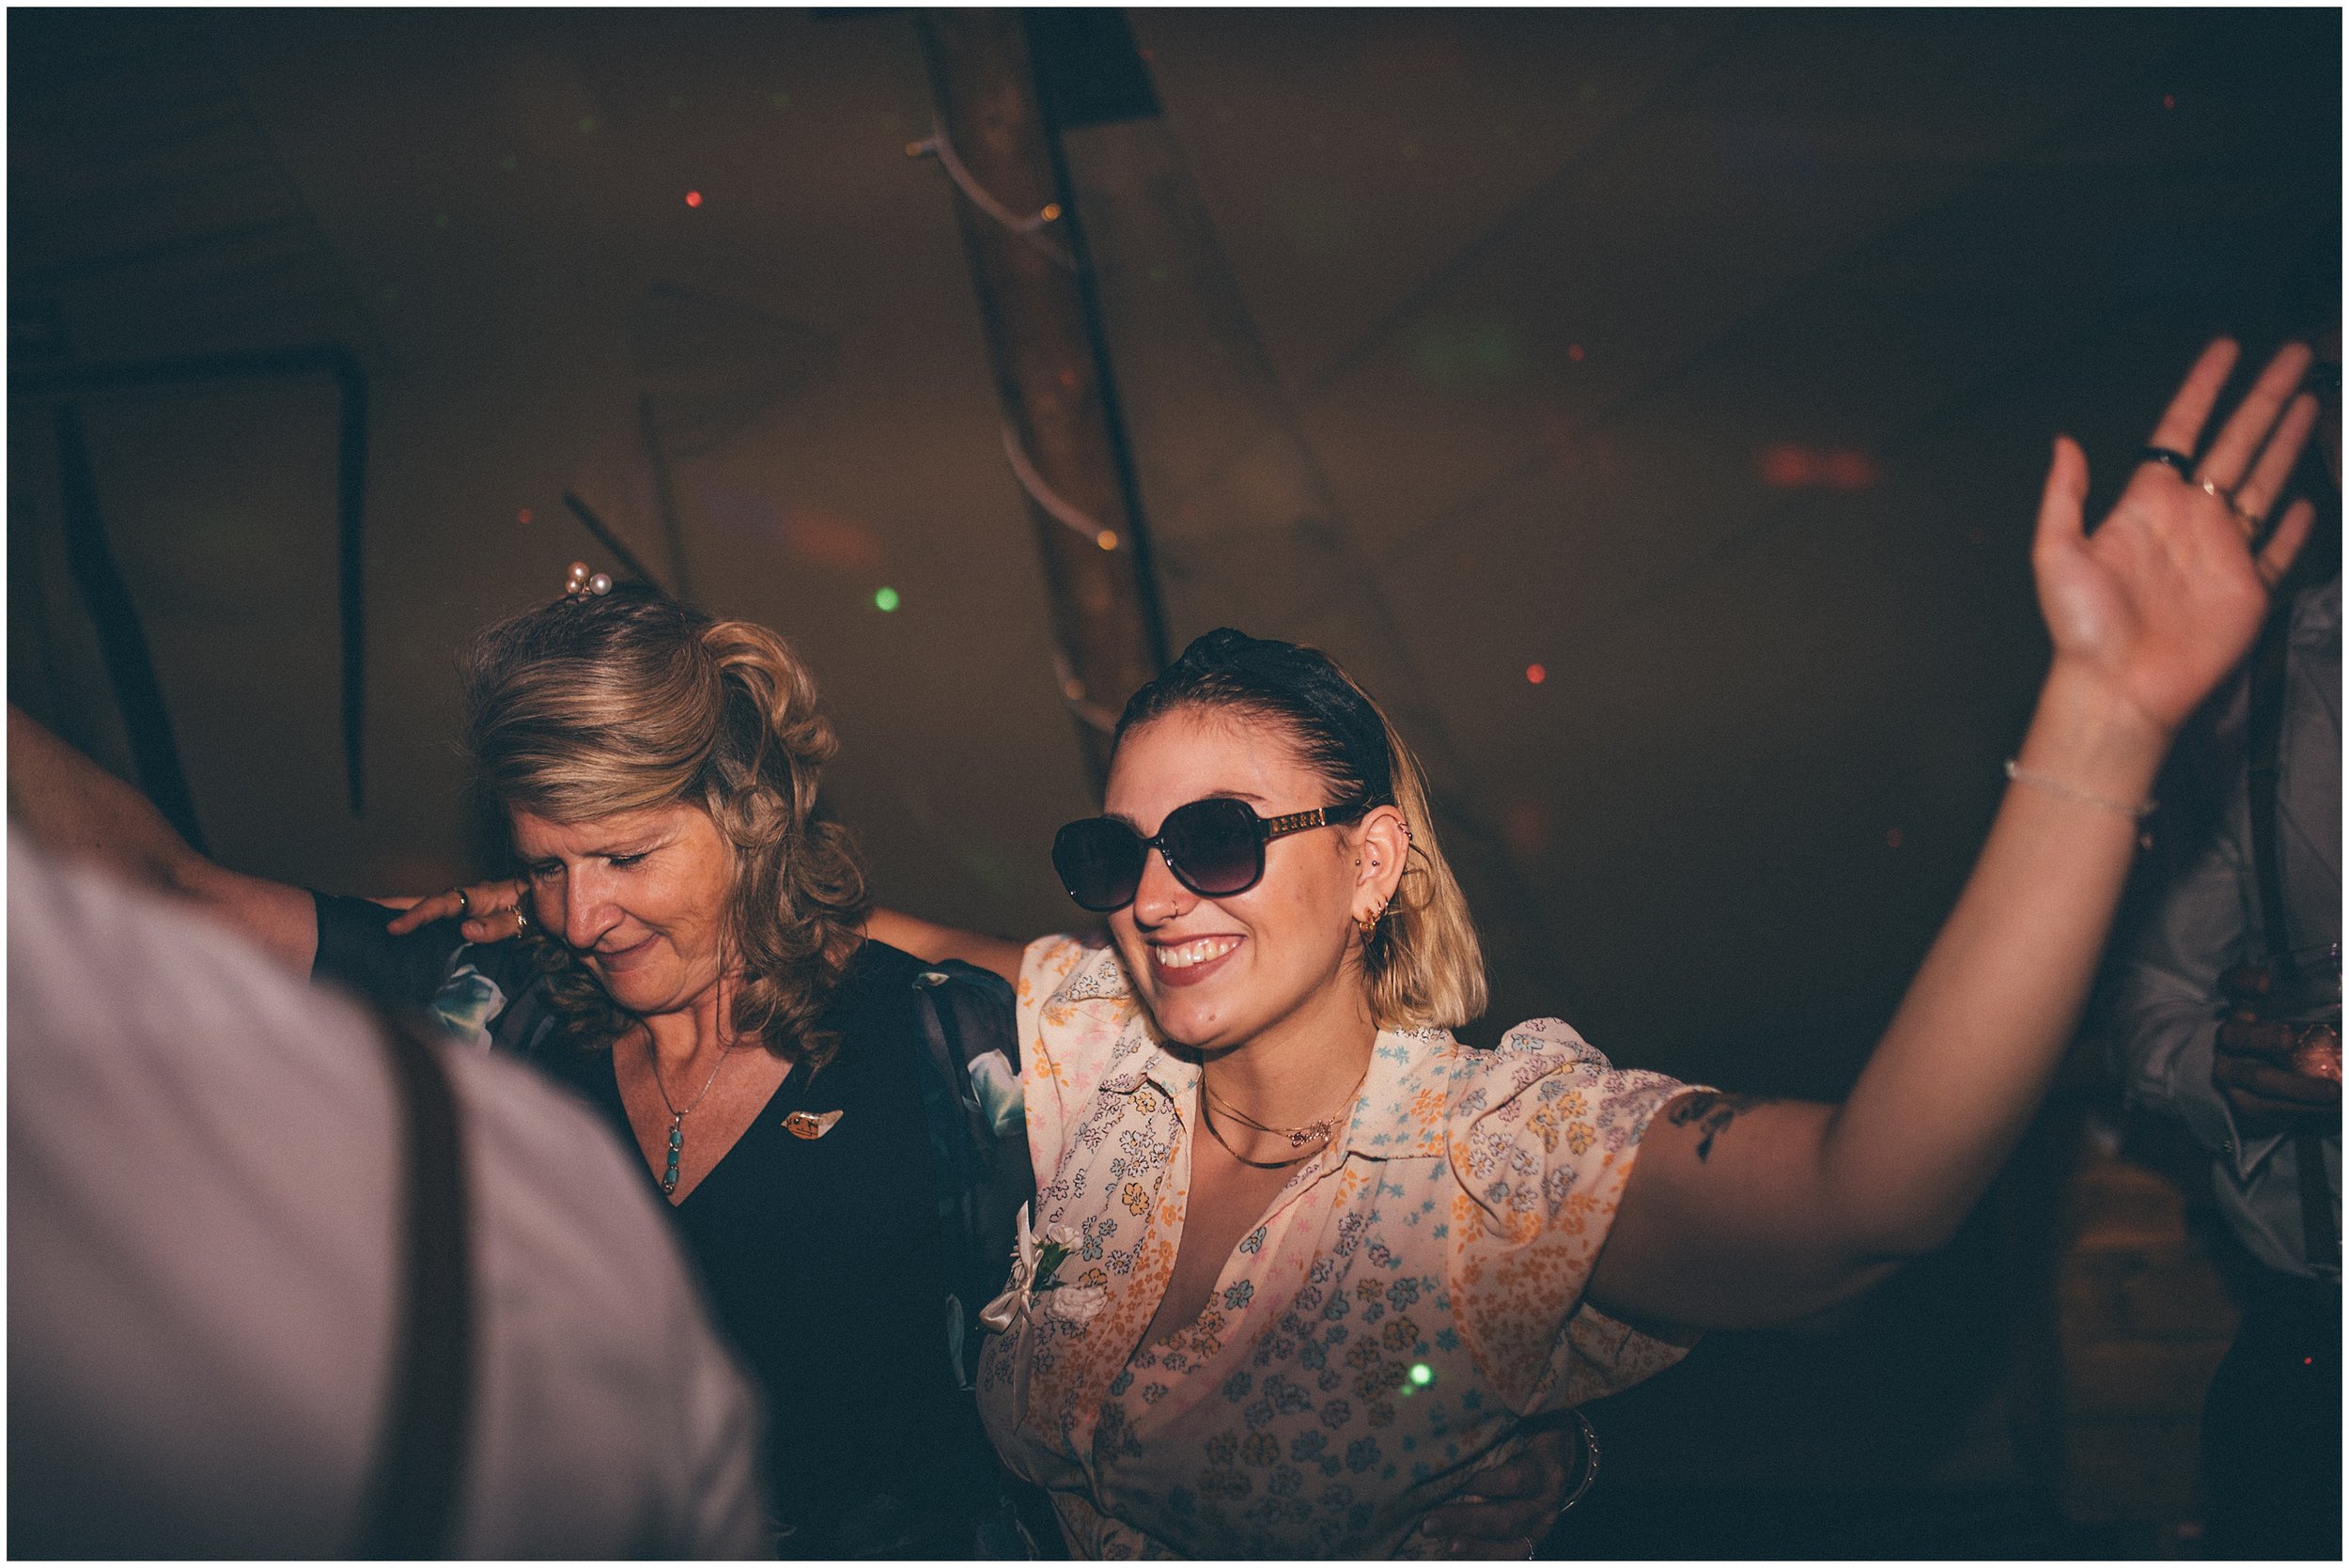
{"x": 69, "y": 803}
{"x": 926, "y": 939}
{"x": 1741, "y": 1212}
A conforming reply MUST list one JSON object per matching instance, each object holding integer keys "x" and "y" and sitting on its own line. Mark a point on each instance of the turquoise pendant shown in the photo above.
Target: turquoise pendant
{"x": 676, "y": 1152}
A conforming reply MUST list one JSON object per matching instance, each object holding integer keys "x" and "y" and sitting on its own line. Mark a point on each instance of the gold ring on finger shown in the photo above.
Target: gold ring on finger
{"x": 2212, "y": 487}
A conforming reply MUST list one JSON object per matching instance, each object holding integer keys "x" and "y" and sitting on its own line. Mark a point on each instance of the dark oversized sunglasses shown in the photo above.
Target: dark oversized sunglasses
{"x": 1215, "y": 848}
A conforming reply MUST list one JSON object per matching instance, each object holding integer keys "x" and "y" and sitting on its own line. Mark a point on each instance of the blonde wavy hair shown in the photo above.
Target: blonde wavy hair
{"x": 591, "y": 707}
{"x": 1423, "y": 964}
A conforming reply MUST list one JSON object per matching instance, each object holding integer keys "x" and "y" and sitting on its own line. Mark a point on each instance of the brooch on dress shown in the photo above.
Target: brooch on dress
{"x": 805, "y": 1124}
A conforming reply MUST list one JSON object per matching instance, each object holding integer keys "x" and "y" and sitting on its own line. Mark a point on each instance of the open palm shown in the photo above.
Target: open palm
{"x": 2167, "y": 595}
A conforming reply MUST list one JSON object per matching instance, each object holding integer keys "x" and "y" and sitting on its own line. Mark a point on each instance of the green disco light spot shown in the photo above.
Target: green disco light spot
{"x": 885, "y": 600}
{"x": 1421, "y": 1374}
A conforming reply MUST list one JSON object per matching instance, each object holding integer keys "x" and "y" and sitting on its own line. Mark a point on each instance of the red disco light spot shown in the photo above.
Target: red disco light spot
{"x": 1786, "y": 468}
{"x": 1574, "y": 352}
{"x": 1535, "y": 675}
{"x": 1849, "y": 470}
{"x": 692, "y": 198}
{"x": 1892, "y": 839}
{"x": 522, "y": 517}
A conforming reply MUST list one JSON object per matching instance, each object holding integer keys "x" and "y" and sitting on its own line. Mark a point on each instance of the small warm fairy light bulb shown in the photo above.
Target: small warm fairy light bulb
{"x": 1106, "y": 539}
{"x": 885, "y": 600}
{"x": 1535, "y": 675}
{"x": 692, "y": 198}
{"x": 1052, "y": 211}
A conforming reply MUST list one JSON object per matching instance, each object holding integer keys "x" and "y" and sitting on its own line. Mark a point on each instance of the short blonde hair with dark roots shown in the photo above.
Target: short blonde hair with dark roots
{"x": 1422, "y": 963}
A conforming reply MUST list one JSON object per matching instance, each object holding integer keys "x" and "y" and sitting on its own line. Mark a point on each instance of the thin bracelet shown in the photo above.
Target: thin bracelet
{"x": 2020, "y": 774}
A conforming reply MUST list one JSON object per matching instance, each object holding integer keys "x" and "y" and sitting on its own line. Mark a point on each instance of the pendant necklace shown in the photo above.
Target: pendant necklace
{"x": 1299, "y": 1138}
{"x": 1216, "y": 1133}
{"x": 676, "y": 1117}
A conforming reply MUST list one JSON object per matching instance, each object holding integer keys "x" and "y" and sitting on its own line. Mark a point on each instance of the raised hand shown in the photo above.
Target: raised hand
{"x": 2165, "y": 597}
{"x": 492, "y": 911}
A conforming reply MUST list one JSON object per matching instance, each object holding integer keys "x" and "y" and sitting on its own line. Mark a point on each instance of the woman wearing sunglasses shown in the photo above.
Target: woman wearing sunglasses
{"x": 1300, "y": 1262}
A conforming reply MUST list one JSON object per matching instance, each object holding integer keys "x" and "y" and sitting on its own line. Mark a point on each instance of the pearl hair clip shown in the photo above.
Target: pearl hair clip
{"x": 578, "y": 584}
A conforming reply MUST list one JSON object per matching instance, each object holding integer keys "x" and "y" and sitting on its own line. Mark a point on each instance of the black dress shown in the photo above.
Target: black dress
{"x": 820, "y": 1256}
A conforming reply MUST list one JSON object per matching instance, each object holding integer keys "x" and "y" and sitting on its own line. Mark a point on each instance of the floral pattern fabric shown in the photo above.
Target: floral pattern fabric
{"x": 1413, "y": 1292}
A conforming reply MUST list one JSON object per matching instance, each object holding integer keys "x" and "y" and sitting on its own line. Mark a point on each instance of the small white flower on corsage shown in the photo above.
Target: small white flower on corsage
{"x": 464, "y": 1004}
{"x": 1035, "y": 1264}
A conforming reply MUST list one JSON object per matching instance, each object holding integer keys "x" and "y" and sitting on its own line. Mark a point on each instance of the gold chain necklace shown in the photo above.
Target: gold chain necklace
{"x": 1311, "y": 1132}
{"x": 1251, "y": 1164}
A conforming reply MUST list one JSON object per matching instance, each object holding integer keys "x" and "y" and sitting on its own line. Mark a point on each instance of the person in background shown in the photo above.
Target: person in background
{"x": 2224, "y": 1012}
{"x": 207, "y": 1272}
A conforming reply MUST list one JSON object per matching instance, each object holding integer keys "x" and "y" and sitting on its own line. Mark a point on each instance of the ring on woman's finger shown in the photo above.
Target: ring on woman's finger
{"x": 2171, "y": 458}
{"x": 2244, "y": 515}
{"x": 521, "y": 919}
{"x": 464, "y": 905}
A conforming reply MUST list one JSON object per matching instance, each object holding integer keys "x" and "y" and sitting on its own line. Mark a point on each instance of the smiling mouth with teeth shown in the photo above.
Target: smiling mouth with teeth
{"x": 1190, "y": 954}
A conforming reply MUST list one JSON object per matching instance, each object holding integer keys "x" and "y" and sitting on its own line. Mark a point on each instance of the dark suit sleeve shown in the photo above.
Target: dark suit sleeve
{"x": 355, "y": 952}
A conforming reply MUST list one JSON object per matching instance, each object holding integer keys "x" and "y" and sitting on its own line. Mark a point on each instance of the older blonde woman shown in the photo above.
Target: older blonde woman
{"x": 694, "y": 972}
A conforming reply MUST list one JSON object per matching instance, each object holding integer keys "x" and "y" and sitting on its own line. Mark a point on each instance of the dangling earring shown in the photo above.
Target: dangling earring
{"x": 1368, "y": 924}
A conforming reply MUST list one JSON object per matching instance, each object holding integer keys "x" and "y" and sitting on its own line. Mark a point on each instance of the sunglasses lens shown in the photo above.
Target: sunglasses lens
{"x": 1214, "y": 846}
{"x": 1099, "y": 863}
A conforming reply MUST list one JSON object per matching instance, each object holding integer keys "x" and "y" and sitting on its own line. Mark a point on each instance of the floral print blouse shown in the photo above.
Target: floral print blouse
{"x": 1414, "y": 1290}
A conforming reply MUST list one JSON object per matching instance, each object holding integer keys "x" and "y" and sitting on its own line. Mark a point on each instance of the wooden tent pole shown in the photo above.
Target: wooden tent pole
{"x": 1049, "y": 362}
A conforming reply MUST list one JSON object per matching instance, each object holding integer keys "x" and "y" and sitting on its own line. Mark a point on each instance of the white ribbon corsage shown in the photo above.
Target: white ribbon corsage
{"x": 1035, "y": 1264}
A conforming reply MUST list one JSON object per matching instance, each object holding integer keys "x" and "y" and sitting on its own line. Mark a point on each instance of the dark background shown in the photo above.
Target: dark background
{"x": 1709, "y": 361}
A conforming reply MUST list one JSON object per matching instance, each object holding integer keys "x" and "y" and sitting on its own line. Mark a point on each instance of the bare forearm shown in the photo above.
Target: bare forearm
{"x": 76, "y": 808}
{"x": 1743, "y": 1212}
{"x": 1959, "y": 1072}
{"x": 1796, "y": 1205}
{"x": 927, "y": 940}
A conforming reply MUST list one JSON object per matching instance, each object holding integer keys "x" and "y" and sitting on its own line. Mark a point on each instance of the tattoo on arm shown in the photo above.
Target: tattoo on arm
{"x": 1712, "y": 1112}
